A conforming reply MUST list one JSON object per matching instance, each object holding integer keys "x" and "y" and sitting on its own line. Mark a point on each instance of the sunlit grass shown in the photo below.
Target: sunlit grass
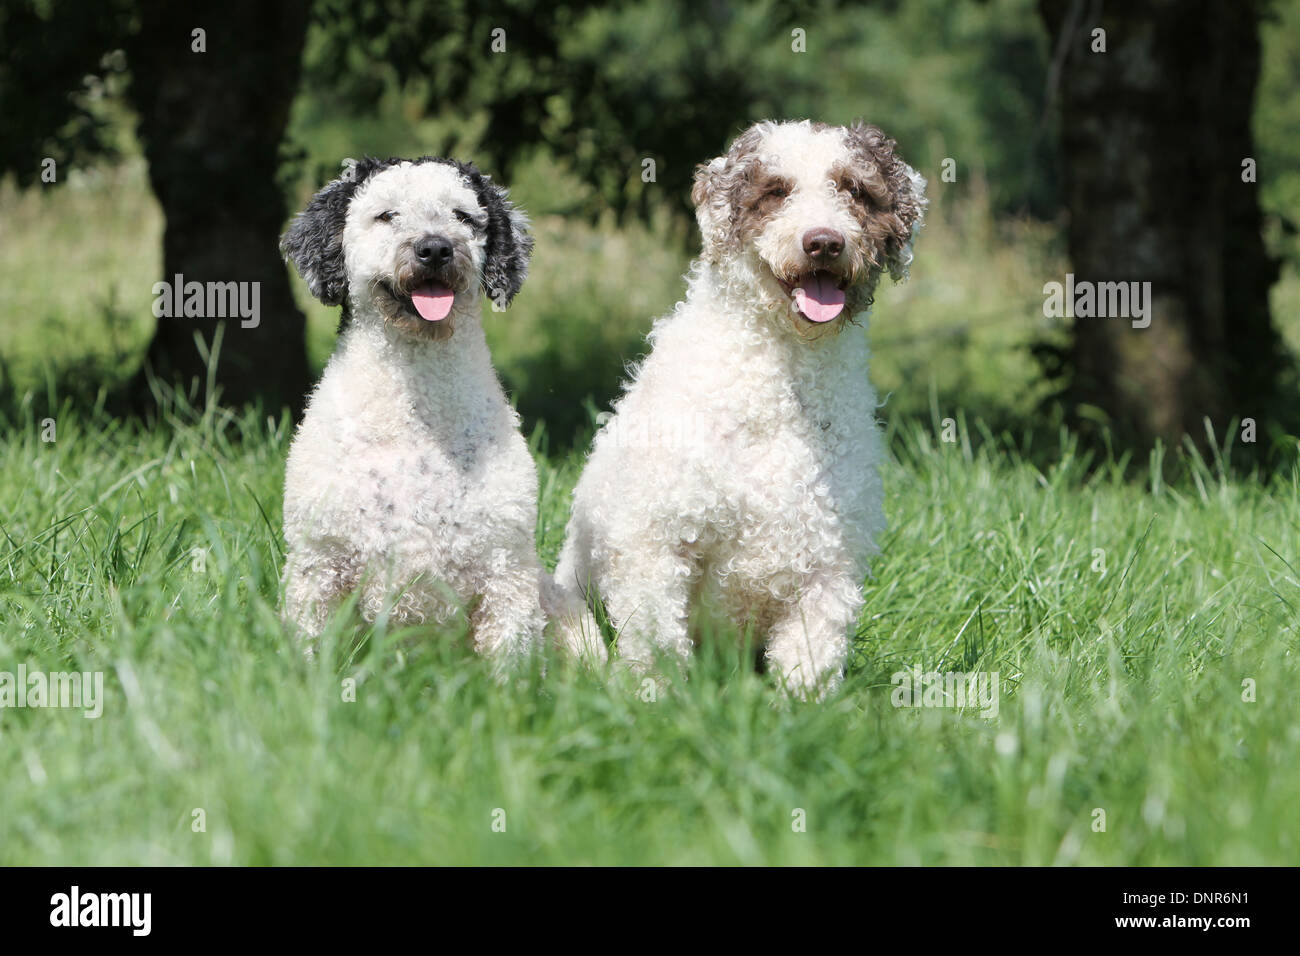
{"x": 153, "y": 556}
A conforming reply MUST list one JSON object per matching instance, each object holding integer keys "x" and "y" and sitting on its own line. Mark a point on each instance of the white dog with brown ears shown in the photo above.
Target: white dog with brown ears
{"x": 742, "y": 460}
{"x": 408, "y": 479}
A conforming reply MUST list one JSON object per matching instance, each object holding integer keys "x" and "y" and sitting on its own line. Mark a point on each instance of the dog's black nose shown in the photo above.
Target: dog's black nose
{"x": 433, "y": 250}
{"x": 823, "y": 244}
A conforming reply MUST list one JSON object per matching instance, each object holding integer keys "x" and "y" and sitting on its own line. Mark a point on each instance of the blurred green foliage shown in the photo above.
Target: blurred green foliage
{"x": 61, "y": 61}
{"x": 1277, "y": 128}
{"x": 604, "y": 88}
{"x": 581, "y": 96}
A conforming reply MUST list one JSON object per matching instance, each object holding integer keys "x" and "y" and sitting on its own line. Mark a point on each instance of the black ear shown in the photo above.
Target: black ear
{"x": 314, "y": 240}
{"x": 509, "y": 244}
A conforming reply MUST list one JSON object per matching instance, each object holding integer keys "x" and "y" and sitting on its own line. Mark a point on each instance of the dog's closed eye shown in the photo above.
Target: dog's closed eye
{"x": 474, "y": 222}
{"x": 770, "y": 193}
{"x": 857, "y": 191}
{"x": 868, "y": 194}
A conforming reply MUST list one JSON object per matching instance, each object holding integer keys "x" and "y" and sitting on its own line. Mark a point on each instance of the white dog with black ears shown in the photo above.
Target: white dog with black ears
{"x": 742, "y": 460}
{"x": 408, "y": 479}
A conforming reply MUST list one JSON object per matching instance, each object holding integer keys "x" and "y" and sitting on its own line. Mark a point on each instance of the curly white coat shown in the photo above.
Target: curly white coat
{"x": 742, "y": 461}
{"x": 408, "y": 479}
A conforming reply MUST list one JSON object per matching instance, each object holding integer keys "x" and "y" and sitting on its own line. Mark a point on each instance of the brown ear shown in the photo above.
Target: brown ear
{"x": 909, "y": 206}
{"x": 709, "y": 196}
{"x": 716, "y": 182}
{"x": 905, "y": 188}
{"x": 706, "y": 180}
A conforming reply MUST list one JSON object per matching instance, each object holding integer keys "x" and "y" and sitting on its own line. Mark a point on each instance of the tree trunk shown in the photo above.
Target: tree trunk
{"x": 211, "y": 124}
{"x": 1154, "y": 133}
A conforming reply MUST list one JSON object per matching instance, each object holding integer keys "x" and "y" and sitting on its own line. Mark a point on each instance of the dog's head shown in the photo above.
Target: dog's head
{"x": 818, "y": 212}
{"x": 411, "y": 241}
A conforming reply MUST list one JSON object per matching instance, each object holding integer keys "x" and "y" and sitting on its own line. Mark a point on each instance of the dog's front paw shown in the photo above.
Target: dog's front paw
{"x": 578, "y": 636}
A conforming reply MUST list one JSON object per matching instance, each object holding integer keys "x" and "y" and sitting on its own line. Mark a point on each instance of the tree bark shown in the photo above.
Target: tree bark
{"x": 211, "y": 124}
{"x": 1153, "y": 133}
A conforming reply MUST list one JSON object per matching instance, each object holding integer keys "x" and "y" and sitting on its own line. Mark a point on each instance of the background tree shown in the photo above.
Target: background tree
{"x": 212, "y": 121}
{"x": 597, "y": 90}
{"x": 211, "y": 124}
{"x": 51, "y": 61}
{"x": 1154, "y": 132}
{"x": 606, "y": 86}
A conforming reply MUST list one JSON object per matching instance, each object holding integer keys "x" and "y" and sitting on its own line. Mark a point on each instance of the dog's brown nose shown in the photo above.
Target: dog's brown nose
{"x": 823, "y": 244}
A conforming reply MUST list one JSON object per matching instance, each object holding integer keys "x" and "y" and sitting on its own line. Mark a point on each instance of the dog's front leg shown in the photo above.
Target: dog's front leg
{"x": 649, "y": 607}
{"x": 576, "y": 632}
{"x": 809, "y": 644}
{"x": 507, "y": 622}
{"x": 315, "y": 583}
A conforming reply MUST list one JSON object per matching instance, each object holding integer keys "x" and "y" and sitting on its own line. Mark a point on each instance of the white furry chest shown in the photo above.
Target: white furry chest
{"x": 800, "y": 477}
{"x": 409, "y": 498}
{"x": 780, "y": 432}
{"x": 424, "y": 491}
{"x": 423, "y": 471}
{"x": 778, "y": 476}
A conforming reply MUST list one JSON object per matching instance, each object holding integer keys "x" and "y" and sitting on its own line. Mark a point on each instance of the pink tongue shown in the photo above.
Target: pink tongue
{"x": 433, "y": 301}
{"x": 819, "y": 298}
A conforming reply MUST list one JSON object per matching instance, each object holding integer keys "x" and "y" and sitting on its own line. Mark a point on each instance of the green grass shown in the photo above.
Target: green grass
{"x": 1120, "y": 691}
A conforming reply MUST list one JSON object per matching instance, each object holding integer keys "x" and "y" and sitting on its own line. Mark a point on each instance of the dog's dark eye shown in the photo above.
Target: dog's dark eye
{"x": 387, "y": 216}
{"x": 778, "y": 192}
{"x": 855, "y": 191}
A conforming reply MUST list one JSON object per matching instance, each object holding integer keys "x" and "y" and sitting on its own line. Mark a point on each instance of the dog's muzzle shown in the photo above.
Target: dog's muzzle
{"x": 818, "y": 295}
{"x": 422, "y": 293}
{"x": 430, "y": 297}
